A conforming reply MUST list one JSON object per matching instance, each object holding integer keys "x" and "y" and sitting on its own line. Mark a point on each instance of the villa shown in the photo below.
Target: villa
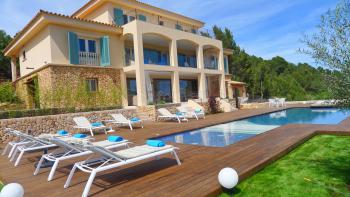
{"x": 154, "y": 55}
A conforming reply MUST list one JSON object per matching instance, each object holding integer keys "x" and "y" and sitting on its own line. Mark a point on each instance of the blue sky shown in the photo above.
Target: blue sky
{"x": 264, "y": 28}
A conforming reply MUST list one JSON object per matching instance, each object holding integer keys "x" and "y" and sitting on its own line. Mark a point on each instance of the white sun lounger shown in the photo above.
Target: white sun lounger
{"x": 112, "y": 160}
{"x": 191, "y": 113}
{"x": 121, "y": 120}
{"x": 71, "y": 151}
{"x": 12, "y": 145}
{"x": 166, "y": 115}
{"x": 84, "y": 123}
{"x": 35, "y": 144}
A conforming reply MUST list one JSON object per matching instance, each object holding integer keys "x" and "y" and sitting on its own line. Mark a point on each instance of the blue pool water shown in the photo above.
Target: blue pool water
{"x": 225, "y": 134}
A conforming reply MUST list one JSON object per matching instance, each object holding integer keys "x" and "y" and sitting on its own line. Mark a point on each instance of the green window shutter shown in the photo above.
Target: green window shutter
{"x": 105, "y": 53}
{"x": 142, "y": 17}
{"x": 118, "y": 17}
{"x": 73, "y": 48}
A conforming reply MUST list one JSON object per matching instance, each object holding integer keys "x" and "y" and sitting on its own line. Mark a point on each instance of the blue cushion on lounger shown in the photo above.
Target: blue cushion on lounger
{"x": 198, "y": 110}
{"x": 97, "y": 124}
{"x": 155, "y": 143}
{"x": 179, "y": 113}
{"x": 115, "y": 138}
{"x": 62, "y": 132}
{"x": 135, "y": 119}
{"x": 79, "y": 135}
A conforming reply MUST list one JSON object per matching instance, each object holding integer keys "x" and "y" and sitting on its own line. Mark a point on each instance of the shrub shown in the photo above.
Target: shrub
{"x": 7, "y": 93}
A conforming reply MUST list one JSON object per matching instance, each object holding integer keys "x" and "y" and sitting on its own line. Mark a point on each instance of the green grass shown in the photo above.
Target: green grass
{"x": 320, "y": 167}
{"x": 1, "y": 185}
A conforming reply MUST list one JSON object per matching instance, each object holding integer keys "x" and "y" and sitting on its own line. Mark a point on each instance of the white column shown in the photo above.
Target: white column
{"x": 173, "y": 53}
{"x": 221, "y": 60}
{"x": 222, "y": 86}
{"x": 175, "y": 82}
{"x": 14, "y": 68}
{"x": 200, "y": 57}
{"x": 140, "y": 71}
{"x": 229, "y": 91}
{"x": 202, "y": 89}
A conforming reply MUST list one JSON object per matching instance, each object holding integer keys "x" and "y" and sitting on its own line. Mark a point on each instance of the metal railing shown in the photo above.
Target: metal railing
{"x": 88, "y": 58}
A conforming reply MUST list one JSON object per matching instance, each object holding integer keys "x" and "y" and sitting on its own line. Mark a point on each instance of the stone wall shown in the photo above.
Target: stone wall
{"x": 51, "y": 124}
{"x": 55, "y": 77}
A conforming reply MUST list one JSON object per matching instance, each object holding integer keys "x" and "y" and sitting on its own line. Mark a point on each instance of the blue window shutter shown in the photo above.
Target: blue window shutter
{"x": 118, "y": 17}
{"x": 142, "y": 17}
{"x": 73, "y": 48}
{"x": 105, "y": 53}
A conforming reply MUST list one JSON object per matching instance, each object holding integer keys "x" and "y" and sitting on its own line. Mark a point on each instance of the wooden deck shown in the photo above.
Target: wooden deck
{"x": 197, "y": 176}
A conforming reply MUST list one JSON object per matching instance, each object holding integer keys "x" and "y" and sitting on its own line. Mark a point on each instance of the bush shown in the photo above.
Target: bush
{"x": 46, "y": 112}
{"x": 8, "y": 93}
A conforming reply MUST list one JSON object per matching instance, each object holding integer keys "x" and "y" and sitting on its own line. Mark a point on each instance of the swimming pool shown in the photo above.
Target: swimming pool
{"x": 229, "y": 133}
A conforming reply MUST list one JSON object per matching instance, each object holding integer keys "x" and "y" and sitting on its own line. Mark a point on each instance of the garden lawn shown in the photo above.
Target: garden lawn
{"x": 320, "y": 167}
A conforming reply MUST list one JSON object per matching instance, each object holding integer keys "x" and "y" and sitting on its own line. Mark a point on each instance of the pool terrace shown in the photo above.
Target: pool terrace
{"x": 197, "y": 176}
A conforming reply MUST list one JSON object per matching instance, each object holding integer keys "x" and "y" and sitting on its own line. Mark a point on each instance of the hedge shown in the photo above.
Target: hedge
{"x": 46, "y": 112}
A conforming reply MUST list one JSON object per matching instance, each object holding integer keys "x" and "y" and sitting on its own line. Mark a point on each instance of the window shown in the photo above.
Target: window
{"x": 24, "y": 55}
{"x": 188, "y": 89}
{"x": 226, "y": 64}
{"x": 162, "y": 91}
{"x": 194, "y": 31}
{"x": 178, "y": 27}
{"x": 161, "y": 23}
{"x": 86, "y": 45}
{"x": 129, "y": 56}
{"x": 187, "y": 61}
{"x": 91, "y": 85}
{"x": 155, "y": 57}
{"x": 82, "y": 47}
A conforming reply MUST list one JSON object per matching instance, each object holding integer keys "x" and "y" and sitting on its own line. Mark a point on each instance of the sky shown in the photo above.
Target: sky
{"x": 264, "y": 28}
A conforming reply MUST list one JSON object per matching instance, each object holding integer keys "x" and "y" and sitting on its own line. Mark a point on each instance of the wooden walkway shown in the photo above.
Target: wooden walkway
{"x": 197, "y": 176}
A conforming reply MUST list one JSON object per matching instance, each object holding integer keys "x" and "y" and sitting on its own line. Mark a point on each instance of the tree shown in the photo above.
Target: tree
{"x": 273, "y": 78}
{"x": 5, "y": 65}
{"x": 330, "y": 47}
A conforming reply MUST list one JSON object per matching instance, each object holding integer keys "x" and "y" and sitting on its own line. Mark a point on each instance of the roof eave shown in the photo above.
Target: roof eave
{"x": 43, "y": 18}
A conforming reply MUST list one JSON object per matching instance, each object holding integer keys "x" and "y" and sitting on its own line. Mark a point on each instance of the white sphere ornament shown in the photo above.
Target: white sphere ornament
{"x": 228, "y": 178}
{"x": 12, "y": 190}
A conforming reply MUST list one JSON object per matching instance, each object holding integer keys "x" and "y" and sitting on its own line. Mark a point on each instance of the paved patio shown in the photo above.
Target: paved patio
{"x": 197, "y": 176}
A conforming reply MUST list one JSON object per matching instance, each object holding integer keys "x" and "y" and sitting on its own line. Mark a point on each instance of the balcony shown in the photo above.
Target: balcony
{"x": 88, "y": 58}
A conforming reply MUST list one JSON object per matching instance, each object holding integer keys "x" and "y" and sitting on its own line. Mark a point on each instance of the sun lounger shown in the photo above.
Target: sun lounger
{"x": 72, "y": 150}
{"x": 165, "y": 114}
{"x": 84, "y": 123}
{"x": 191, "y": 113}
{"x": 121, "y": 120}
{"x": 112, "y": 160}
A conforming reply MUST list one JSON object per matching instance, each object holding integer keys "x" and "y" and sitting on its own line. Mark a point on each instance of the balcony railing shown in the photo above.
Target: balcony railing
{"x": 87, "y": 58}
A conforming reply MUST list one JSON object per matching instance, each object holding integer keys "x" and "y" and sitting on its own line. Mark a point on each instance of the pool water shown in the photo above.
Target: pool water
{"x": 229, "y": 133}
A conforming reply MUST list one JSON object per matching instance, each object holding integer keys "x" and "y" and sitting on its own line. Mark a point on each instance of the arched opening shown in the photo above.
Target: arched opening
{"x": 211, "y": 57}
{"x": 156, "y": 49}
{"x": 187, "y": 53}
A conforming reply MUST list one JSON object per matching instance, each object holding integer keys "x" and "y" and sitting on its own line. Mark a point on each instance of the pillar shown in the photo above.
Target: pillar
{"x": 200, "y": 57}
{"x": 173, "y": 53}
{"x": 175, "y": 82}
{"x": 140, "y": 71}
{"x": 14, "y": 68}
{"x": 229, "y": 91}
{"x": 222, "y": 86}
{"x": 202, "y": 89}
